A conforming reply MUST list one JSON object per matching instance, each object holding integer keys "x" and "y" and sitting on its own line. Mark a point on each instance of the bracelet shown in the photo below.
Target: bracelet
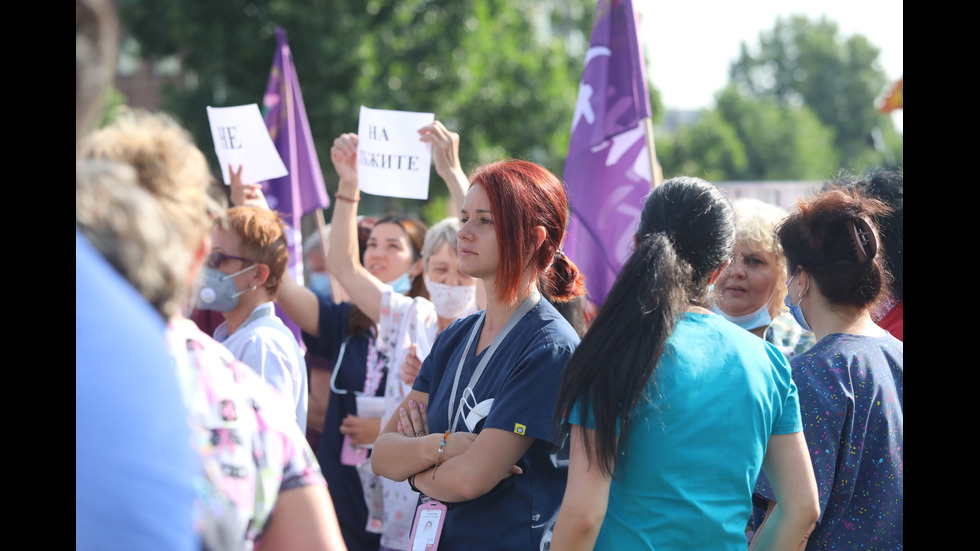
{"x": 442, "y": 446}
{"x": 348, "y": 199}
{"x": 411, "y": 484}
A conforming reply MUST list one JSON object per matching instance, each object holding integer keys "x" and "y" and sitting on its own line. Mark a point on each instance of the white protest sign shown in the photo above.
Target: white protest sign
{"x": 391, "y": 159}
{"x": 241, "y": 138}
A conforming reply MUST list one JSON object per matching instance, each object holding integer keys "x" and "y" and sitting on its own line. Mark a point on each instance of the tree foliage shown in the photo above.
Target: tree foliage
{"x": 502, "y": 73}
{"x": 804, "y": 62}
{"x": 782, "y": 143}
{"x": 752, "y": 139}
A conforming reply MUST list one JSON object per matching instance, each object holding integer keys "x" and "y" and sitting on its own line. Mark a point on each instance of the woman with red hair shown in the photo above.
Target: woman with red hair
{"x": 475, "y": 432}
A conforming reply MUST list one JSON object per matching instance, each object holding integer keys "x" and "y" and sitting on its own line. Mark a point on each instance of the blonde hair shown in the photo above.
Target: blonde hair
{"x": 167, "y": 163}
{"x": 174, "y": 172}
{"x": 125, "y": 224}
{"x": 756, "y": 222}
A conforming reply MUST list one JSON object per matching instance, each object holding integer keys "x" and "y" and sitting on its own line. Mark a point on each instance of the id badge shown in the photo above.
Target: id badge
{"x": 429, "y": 519}
{"x": 351, "y": 454}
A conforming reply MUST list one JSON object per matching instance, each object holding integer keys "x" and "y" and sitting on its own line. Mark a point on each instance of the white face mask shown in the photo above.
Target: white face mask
{"x": 477, "y": 411}
{"x": 451, "y": 301}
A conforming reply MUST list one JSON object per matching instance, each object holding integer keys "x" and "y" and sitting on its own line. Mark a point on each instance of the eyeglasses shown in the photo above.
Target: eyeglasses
{"x": 217, "y": 258}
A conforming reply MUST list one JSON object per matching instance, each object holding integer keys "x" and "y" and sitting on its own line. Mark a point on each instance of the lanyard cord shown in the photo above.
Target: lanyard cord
{"x": 371, "y": 368}
{"x": 530, "y": 302}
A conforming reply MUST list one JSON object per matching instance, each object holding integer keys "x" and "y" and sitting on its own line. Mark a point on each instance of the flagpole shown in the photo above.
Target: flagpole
{"x": 656, "y": 174}
{"x": 321, "y": 227}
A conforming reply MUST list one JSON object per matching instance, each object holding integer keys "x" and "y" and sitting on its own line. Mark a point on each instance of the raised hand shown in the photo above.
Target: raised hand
{"x": 343, "y": 154}
{"x": 445, "y": 148}
{"x": 445, "y": 155}
{"x": 243, "y": 194}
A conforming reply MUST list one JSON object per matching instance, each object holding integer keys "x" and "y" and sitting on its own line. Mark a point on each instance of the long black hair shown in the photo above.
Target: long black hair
{"x": 686, "y": 232}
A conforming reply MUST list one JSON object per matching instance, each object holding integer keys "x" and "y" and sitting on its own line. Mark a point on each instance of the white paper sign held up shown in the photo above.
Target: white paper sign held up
{"x": 391, "y": 159}
{"x": 241, "y": 138}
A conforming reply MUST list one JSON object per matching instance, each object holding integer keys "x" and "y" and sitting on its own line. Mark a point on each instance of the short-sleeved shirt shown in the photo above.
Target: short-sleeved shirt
{"x": 522, "y": 379}
{"x": 265, "y": 344}
{"x": 134, "y": 467}
{"x": 697, "y": 440}
{"x": 851, "y": 400}
{"x": 245, "y": 432}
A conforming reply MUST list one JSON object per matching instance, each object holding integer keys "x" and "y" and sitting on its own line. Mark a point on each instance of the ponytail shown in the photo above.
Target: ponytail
{"x": 687, "y": 230}
{"x": 562, "y": 281}
{"x": 607, "y": 374}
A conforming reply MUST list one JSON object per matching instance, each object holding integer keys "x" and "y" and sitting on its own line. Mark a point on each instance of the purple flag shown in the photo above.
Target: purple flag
{"x": 608, "y": 169}
{"x": 301, "y": 191}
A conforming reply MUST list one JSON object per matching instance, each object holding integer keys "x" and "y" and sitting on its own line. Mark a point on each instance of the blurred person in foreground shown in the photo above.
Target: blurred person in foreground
{"x": 260, "y": 483}
{"x": 134, "y": 469}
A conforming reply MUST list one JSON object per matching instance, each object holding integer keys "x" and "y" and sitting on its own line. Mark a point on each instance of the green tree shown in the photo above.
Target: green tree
{"x": 751, "y": 139}
{"x": 781, "y": 143}
{"x": 710, "y": 149}
{"x": 502, "y": 73}
{"x": 803, "y": 62}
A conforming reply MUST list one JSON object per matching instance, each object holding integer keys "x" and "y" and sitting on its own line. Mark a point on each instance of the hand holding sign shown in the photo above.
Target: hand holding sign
{"x": 445, "y": 149}
{"x": 445, "y": 155}
{"x": 391, "y": 160}
{"x": 243, "y": 194}
{"x": 241, "y": 139}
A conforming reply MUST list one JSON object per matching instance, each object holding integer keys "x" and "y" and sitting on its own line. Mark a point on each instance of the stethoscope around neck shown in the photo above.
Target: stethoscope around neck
{"x": 340, "y": 361}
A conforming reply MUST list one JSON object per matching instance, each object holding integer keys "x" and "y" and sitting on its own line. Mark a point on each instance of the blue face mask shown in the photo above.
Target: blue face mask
{"x": 795, "y": 309}
{"x": 218, "y": 291}
{"x": 320, "y": 284}
{"x": 402, "y": 284}
{"x": 759, "y": 318}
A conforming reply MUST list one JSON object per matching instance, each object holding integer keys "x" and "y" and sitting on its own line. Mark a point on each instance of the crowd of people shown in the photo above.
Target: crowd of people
{"x": 740, "y": 387}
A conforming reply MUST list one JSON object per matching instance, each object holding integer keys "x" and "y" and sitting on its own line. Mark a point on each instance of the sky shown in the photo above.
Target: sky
{"x": 690, "y": 44}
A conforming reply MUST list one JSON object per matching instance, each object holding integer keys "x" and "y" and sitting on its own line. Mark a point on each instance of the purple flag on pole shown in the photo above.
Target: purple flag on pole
{"x": 608, "y": 170}
{"x": 301, "y": 191}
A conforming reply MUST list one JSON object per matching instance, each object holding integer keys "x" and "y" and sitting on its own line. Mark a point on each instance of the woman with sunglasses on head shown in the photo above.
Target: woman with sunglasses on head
{"x": 474, "y": 433}
{"x": 850, "y": 381}
{"x": 673, "y": 410}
